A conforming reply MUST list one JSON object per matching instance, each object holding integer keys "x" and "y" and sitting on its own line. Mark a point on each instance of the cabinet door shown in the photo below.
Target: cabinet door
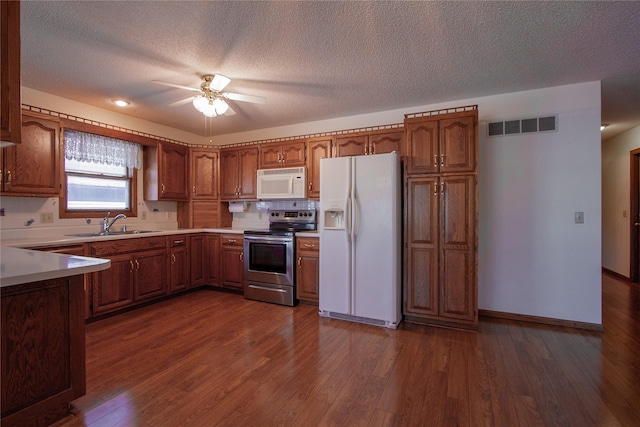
{"x": 316, "y": 149}
{"x": 293, "y": 154}
{"x": 204, "y": 174}
{"x": 10, "y": 71}
{"x": 212, "y": 257}
{"x": 196, "y": 247}
{"x": 457, "y": 236}
{"x": 351, "y": 146}
{"x": 308, "y": 269}
{"x": 179, "y": 268}
{"x": 385, "y": 142}
{"x": 174, "y": 171}
{"x": 270, "y": 156}
{"x": 421, "y": 228}
{"x": 232, "y": 267}
{"x": 422, "y": 147}
{"x": 229, "y": 174}
{"x": 248, "y": 173}
{"x": 458, "y": 144}
{"x": 113, "y": 288}
{"x": 150, "y": 279}
{"x": 33, "y": 167}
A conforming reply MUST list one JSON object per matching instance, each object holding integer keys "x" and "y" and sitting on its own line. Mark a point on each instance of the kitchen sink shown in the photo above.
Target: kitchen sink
{"x": 112, "y": 233}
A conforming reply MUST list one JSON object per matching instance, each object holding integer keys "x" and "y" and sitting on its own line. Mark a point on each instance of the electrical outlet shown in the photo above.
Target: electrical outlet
{"x": 579, "y": 217}
{"x": 46, "y": 218}
{"x": 143, "y": 215}
{"x": 168, "y": 215}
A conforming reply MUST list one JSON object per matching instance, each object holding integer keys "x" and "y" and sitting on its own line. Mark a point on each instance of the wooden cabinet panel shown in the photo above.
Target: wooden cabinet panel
{"x": 33, "y": 167}
{"x": 238, "y": 173}
{"x": 212, "y": 257}
{"x": 355, "y": 145}
{"x": 150, "y": 278}
{"x": 282, "y": 154}
{"x": 196, "y": 248}
{"x": 422, "y": 150}
{"x": 204, "y": 174}
{"x": 457, "y": 144}
{"x": 308, "y": 269}
{"x": 385, "y": 142}
{"x": 316, "y": 149}
{"x": 113, "y": 288}
{"x": 166, "y": 172}
{"x": 178, "y": 263}
{"x": 232, "y": 262}
{"x": 10, "y": 89}
{"x": 43, "y": 351}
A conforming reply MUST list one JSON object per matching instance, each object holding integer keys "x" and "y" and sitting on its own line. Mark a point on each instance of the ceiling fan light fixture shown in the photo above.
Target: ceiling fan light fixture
{"x": 220, "y": 106}
{"x": 200, "y": 103}
{"x": 209, "y": 110}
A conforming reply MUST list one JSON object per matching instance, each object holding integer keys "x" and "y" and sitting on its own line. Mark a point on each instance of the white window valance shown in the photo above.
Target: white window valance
{"x": 87, "y": 147}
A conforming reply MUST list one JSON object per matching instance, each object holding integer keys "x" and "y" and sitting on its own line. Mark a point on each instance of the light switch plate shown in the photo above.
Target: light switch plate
{"x": 579, "y": 217}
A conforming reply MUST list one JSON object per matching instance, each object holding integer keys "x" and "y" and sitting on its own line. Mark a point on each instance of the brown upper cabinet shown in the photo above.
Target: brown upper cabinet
{"x": 441, "y": 146}
{"x": 282, "y": 154}
{"x": 238, "y": 173}
{"x": 204, "y": 174}
{"x": 10, "y": 108}
{"x": 369, "y": 143}
{"x": 32, "y": 168}
{"x": 317, "y": 148}
{"x": 166, "y": 172}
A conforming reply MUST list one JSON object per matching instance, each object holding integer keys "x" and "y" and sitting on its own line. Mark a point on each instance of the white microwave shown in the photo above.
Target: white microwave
{"x": 289, "y": 183}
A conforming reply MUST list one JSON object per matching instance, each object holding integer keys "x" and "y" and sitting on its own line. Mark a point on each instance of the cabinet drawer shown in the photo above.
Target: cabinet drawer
{"x": 177, "y": 241}
{"x": 307, "y": 244}
{"x": 127, "y": 245}
{"x": 231, "y": 240}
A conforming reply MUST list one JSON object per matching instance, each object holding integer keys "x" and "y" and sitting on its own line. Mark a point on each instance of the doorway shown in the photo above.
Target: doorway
{"x": 634, "y": 218}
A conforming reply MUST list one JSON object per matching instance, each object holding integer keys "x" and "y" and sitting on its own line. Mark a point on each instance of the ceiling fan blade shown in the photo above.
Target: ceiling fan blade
{"x": 219, "y": 82}
{"x": 245, "y": 98}
{"x": 177, "y": 86}
{"x": 229, "y": 112}
{"x": 182, "y": 101}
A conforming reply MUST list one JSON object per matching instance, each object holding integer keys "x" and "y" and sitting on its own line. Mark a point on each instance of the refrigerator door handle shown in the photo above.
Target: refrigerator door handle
{"x": 348, "y": 220}
{"x": 356, "y": 218}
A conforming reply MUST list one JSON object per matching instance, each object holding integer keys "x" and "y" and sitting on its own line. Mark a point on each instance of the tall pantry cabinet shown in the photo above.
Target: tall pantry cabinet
{"x": 441, "y": 218}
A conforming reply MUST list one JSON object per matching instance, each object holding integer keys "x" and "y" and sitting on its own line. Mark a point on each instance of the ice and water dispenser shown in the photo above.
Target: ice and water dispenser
{"x": 334, "y": 215}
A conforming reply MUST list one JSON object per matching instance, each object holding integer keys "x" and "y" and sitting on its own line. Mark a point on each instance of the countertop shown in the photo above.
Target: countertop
{"x": 18, "y": 266}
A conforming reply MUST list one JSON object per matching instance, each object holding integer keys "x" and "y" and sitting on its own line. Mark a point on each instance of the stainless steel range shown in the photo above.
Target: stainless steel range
{"x": 269, "y": 257}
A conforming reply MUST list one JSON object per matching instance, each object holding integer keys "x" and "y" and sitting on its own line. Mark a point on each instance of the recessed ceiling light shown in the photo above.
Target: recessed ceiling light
{"x": 121, "y": 102}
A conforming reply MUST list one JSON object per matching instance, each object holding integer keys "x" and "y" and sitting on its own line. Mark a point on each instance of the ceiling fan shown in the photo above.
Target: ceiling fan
{"x": 210, "y": 99}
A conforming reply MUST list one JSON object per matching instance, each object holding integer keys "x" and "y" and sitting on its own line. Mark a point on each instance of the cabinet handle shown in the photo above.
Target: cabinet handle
{"x": 300, "y": 262}
{"x": 131, "y": 262}
{"x": 310, "y": 186}
{"x": 231, "y": 240}
{"x": 307, "y": 245}
{"x": 435, "y": 189}
{"x": 441, "y": 187}
{"x": 173, "y": 258}
{"x": 242, "y": 256}
{"x": 162, "y": 187}
{"x": 441, "y": 160}
{"x": 8, "y": 177}
{"x": 435, "y": 160}
{"x": 137, "y": 265}
{"x": 193, "y": 191}
{"x": 178, "y": 242}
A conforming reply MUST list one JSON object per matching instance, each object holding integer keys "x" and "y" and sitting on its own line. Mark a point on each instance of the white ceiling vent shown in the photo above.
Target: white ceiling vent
{"x": 513, "y": 127}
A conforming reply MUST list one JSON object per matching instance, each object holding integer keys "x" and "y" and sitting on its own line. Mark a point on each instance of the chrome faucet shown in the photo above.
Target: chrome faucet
{"x": 106, "y": 224}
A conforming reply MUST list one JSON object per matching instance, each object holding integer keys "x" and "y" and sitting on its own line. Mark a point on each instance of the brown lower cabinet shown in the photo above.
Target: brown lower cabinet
{"x": 232, "y": 261}
{"x": 212, "y": 258}
{"x": 197, "y": 259}
{"x": 43, "y": 354}
{"x": 137, "y": 273}
{"x": 308, "y": 269}
{"x": 178, "y": 273}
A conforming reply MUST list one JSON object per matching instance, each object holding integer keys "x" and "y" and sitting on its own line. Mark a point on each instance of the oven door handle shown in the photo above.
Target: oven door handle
{"x": 268, "y": 239}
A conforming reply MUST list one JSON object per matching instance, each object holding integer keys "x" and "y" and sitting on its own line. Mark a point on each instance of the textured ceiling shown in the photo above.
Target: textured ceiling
{"x": 320, "y": 60}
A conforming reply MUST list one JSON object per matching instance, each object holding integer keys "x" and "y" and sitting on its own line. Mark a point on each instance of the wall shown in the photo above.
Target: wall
{"x": 616, "y": 201}
{"x": 533, "y": 259}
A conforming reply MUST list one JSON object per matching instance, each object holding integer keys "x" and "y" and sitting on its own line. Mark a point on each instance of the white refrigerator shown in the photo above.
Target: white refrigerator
{"x": 360, "y": 237}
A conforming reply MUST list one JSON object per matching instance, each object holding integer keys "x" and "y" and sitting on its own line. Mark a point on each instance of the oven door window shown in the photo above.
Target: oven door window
{"x": 268, "y": 257}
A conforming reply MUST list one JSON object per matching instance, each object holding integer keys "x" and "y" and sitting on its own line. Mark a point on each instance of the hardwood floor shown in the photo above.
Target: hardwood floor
{"x": 210, "y": 358}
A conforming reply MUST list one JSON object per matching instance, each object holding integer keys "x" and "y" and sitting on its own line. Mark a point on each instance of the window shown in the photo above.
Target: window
{"x": 96, "y": 176}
